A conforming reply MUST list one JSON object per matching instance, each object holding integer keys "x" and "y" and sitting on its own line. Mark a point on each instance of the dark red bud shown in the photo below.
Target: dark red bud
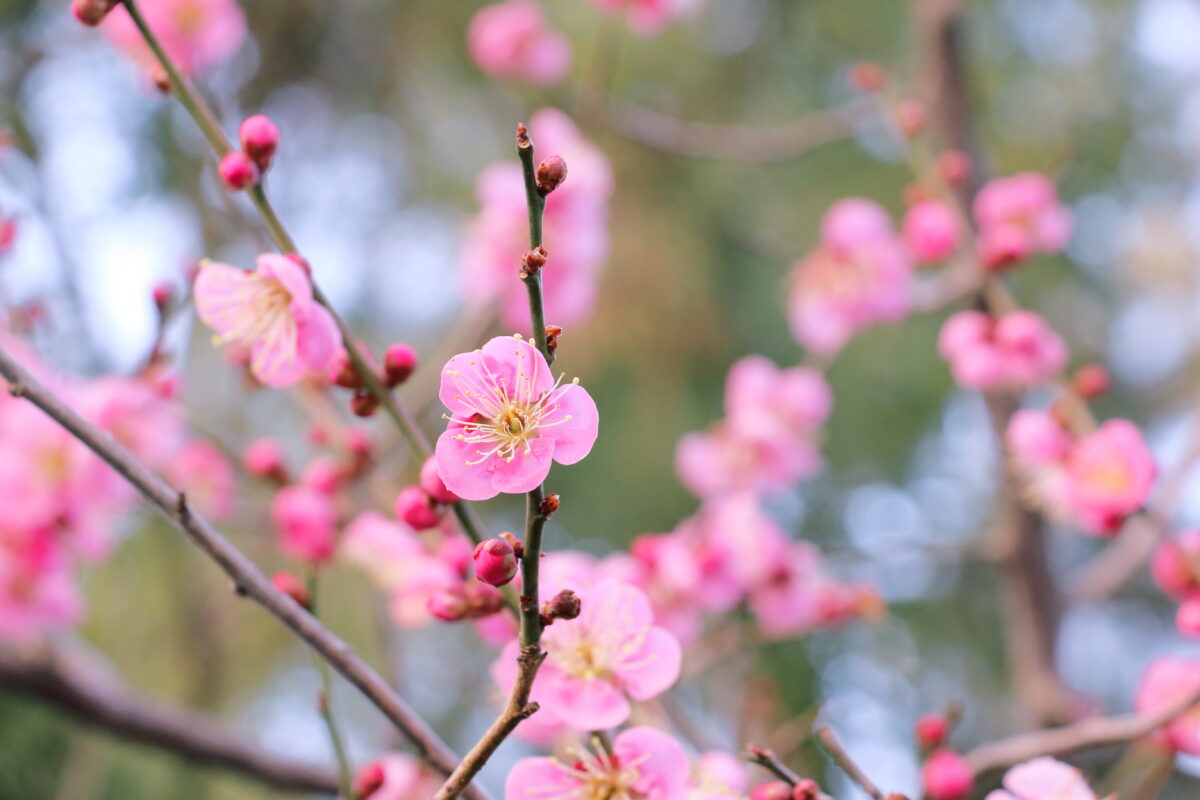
{"x": 533, "y": 261}
{"x": 551, "y": 173}
{"x": 363, "y": 403}
{"x": 399, "y": 363}
{"x": 548, "y": 505}
{"x": 293, "y": 587}
{"x": 368, "y": 780}
{"x": 564, "y": 605}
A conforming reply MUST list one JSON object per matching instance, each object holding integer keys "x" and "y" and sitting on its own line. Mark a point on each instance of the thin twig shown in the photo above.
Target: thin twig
{"x": 87, "y": 691}
{"x": 840, "y": 757}
{"x": 1099, "y": 732}
{"x": 248, "y": 580}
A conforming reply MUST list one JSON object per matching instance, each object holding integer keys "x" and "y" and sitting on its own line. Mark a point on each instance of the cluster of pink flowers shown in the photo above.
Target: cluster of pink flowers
{"x": 511, "y": 40}
{"x": 575, "y": 229}
{"x": 1176, "y": 570}
{"x": 197, "y": 34}
{"x": 859, "y": 275}
{"x": 1016, "y": 350}
{"x": 60, "y": 506}
{"x": 1018, "y": 216}
{"x": 766, "y": 441}
{"x": 271, "y": 313}
{"x": 1094, "y": 481}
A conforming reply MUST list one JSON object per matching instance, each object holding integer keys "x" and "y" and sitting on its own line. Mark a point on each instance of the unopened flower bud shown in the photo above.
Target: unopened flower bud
{"x": 495, "y": 562}
{"x": 368, "y": 780}
{"x": 293, "y": 587}
{"x": 806, "y": 789}
{"x": 548, "y": 505}
{"x": 448, "y": 605}
{"x": 260, "y": 138}
{"x": 533, "y": 261}
{"x": 565, "y": 605}
{"x": 416, "y": 509}
{"x": 162, "y": 294}
{"x": 300, "y": 261}
{"x": 399, "y": 363}
{"x": 431, "y": 482}
{"x": 867, "y": 76}
{"x": 955, "y": 166}
{"x": 516, "y": 544}
{"x": 910, "y": 117}
{"x": 264, "y": 459}
{"x": 8, "y": 233}
{"x": 363, "y": 403}
{"x": 482, "y": 600}
{"x": 551, "y": 173}
{"x": 552, "y": 334}
{"x": 161, "y": 80}
{"x": 931, "y": 731}
{"x": 91, "y": 12}
{"x": 947, "y": 776}
{"x": 1091, "y": 381}
{"x": 238, "y": 171}
{"x": 772, "y": 790}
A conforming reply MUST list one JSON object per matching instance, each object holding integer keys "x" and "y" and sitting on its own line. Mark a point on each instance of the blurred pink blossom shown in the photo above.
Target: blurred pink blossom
{"x": 575, "y": 230}
{"x": 1110, "y": 473}
{"x": 1016, "y": 350}
{"x": 858, "y": 276}
{"x": 1018, "y": 215}
{"x": 646, "y": 17}
{"x": 306, "y": 520}
{"x": 203, "y": 472}
{"x": 1043, "y": 778}
{"x": 197, "y": 34}
{"x": 932, "y": 230}
{"x": 511, "y": 40}
{"x": 1167, "y": 681}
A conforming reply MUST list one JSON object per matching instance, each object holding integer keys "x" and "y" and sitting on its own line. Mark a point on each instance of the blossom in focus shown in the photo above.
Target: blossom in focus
{"x": 645, "y": 764}
{"x": 1018, "y": 215}
{"x": 646, "y": 17}
{"x": 1168, "y": 681}
{"x": 596, "y": 662}
{"x": 511, "y": 40}
{"x": 204, "y": 474}
{"x": 306, "y": 520}
{"x": 1017, "y": 350}
{"x": 509, "y": 418}
{"x": 575, "y": 230}
{"x": 765, "y": 443}
{"x": 1043, "y": 778}
{"x": 858, "y": 275}
{"x": 272, "y": 312}
{"x": 197, "y": 34}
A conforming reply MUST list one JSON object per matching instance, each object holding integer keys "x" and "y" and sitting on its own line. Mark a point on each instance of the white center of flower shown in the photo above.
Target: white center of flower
{"x": 262, "y": 303}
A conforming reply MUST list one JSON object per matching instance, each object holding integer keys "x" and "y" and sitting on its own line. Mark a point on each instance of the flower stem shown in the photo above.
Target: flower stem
{"x": 537, "y": 206}
{"x": 325, "y": 703}
{"x": 206, "y": 120}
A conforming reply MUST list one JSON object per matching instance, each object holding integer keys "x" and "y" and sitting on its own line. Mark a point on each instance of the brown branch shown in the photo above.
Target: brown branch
{"x": 1099, "y": 732}
{"x": 248, "y": 580}
{"x": 840, "y": 757}
{"x": 735, "y": 142}
{"x": 88, "y": 694}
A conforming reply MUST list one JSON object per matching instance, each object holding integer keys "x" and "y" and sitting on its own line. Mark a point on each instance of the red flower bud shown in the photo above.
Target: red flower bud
{"x": 867, "y": 76}
{"x": 533, "y": 261}
{"x": 806, "y": 789}
{"x": 91, "y": 12}
{"x": 550, "y": 174}
{"x": 238, "y": 170}
{"x": 495, "y": 562}
{"x": 482, "y": 600}
{"x": 260, "y": 139}
{"x": 162, "y": 294}
{"x": 955, "y": 166}
{"x": 548, "y": 505}
{"x": 363, "y": 403}
{"x": 368, "y": 780}
{"x": 448, "y": 605}
{"x": 931, "y": 731}
{"x": 416, "y": 509}
{"x": 564, "y": 605}
{"x": 293, "y": 587}
{"x": 773, "y": 790}
{"x": 1091, "y": 381}
{"x": 399, "y": 363}
{"x": 947, "y": 776}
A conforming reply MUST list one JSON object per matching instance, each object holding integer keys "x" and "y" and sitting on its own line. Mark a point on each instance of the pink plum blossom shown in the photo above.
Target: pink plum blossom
{"x": 1109, "y": 475}
{"x": 1043, "y": 778}
{"x": 38, "y": 590}
{"x": 858, "y": 276}
{"x": 509, "y": 420}
{"x": 947, "y": 776}
{"x": 932, "y": 230}
{"x": 1018, "y": 215}
{"x": 203, "y": 472}
{"x": 765, "y": 442}
{"x": 196, "y": 34}
{"x": 1016, "y": 350}
{"x": 718, "y": 775}
{"x": 596, "y": 662}
{"x": 575, "y": 229}
{"x": 399, "y": 776}
{"x": 306, "y": 520}
{"x": 1170, "y": 566}
{"x": 645, "y": 764}
{"x": 646, "y": 17}
{"x": 1167, "y": 681}
{"x": 272, "y": 312}
{"x": 511, "y": 40}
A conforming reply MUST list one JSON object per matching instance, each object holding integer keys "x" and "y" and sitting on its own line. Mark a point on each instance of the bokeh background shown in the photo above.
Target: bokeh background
{"x": 387, "y": 124}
